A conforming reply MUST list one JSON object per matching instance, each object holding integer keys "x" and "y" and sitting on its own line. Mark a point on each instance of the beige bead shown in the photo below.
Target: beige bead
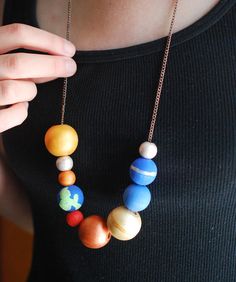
{"x": 64, "y": 163}
{"x": 123, "y": 223}
{"x": 148, "y": 150}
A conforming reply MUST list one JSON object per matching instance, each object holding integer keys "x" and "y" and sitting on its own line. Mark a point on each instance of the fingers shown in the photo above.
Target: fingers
{"x": 13, "y": 116}
{"x": 23, "y": 65}
{"x": 42, "y": 79}
{"x": 14, "y": 36}
{"x": 20, "y": 71}
{"x": 13, "y": 91}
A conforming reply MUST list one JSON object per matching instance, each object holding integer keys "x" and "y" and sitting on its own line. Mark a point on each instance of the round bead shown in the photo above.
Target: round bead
{"x": 61, "y": 140}
{"x": 64, "y": 163}
{"x": 143, "y": 171}
{"x": 136, "y": 197}
{"x": 74, "y": 218}
{"x": 148, "y": 150}
{"x": 93, "y": 232}
{"x": 123, "y": 223}
{"x": 66, "y": 178}
{"x": 70, "y": 198}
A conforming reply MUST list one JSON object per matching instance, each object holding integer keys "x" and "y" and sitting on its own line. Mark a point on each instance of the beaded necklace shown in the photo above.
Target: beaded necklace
{"x": 123, "y": 222}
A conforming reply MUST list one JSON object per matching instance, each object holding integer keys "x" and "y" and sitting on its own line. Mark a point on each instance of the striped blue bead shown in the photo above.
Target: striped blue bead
{"x": 136, "y": 197}
{"x": 143, "y": 171}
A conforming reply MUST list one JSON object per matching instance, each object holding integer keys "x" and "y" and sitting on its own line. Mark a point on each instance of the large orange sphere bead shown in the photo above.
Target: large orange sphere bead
{"x": 93, "y": 232}
{"x": 66, "y": 178}
{"x": 61, "y": 140}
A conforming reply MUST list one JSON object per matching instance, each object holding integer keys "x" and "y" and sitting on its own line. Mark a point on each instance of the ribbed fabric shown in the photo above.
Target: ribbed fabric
{"x": 189, "y": 230}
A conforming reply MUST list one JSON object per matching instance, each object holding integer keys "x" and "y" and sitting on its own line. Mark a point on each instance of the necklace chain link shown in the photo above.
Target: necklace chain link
{"x": 162, "y": 75}
{"x": 65, "y": 81}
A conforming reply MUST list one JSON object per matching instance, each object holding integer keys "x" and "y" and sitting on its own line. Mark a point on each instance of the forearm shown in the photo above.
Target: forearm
{"x": 14, "y": 203}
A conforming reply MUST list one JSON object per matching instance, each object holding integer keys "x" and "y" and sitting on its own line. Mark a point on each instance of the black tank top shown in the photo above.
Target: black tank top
{"x": 189, "y": 229}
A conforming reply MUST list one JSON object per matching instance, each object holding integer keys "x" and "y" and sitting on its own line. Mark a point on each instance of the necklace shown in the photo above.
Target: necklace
{"x": 123, "y": 222}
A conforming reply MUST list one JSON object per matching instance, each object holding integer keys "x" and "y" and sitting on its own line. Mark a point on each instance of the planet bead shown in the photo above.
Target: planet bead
{"x": 74, "y": 218}
{"x": 64, "y": 163}
{"x": 66, "y": 178}
{"x": 93, "y": 232}
{"x": 123, "y": 223}
{"x": 148, "y": 150}
{"x": 136, "y": 197}
{"x": 143, "y": 171}
{"x": 70, "y": 198}
{"x": 61, "y": 140}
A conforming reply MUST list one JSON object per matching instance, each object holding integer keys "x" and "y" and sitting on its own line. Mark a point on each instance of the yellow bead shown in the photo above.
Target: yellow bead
{"x": 61, "y": 140}
{"x": 123, "y": 223}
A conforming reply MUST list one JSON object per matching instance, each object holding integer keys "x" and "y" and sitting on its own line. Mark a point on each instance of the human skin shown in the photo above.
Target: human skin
{"x": 107, "y": 24}
{"x": 96, "y": 25}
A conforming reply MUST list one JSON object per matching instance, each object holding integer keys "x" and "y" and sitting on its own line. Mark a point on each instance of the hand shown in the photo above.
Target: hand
{"x": 19, "y": 72}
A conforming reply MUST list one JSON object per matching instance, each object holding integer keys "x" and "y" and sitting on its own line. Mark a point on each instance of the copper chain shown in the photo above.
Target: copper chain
{"x": 162, "y": 74}
{"x": 65, "y": 82}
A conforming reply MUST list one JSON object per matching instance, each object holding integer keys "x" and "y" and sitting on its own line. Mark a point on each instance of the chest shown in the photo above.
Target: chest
{"x": 110, "y": 105}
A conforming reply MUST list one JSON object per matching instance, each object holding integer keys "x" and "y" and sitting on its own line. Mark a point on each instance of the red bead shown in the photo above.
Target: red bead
{"x": 93, "y": 232}
{"x": 74, "y": 218}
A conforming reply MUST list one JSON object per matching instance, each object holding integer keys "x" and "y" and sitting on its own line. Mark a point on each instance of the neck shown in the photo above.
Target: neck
{"x": 113, "y": 23}
{"x": 107, "y": 24}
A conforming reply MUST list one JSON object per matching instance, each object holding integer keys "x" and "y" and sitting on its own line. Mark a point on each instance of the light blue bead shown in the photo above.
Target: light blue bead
{"x": 143, "y": 171}
{"x": 136, "y": 197}
{"x": 70, "y": 198}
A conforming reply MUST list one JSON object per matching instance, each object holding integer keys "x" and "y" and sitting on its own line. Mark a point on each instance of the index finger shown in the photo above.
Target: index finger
{"x": 17, "y": 35}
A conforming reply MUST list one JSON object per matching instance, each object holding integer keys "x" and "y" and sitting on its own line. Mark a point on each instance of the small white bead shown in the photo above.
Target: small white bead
{"x": 64, "y": 163}
{"x": 148, "y": 150}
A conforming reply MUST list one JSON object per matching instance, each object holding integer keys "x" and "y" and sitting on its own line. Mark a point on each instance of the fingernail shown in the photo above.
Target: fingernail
{"x": 70, "y": 67}
{"x": 69, "y": 48}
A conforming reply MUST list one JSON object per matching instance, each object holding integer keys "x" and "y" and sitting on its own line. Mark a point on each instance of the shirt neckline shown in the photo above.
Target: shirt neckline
{"x": 157, "y": 45}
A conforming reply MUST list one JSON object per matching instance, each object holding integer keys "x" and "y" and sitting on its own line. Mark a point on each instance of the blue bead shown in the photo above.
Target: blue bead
{"x": 70, "y": 198}
{"x": 136, "y": 197}
{"x": 143, "y": 171}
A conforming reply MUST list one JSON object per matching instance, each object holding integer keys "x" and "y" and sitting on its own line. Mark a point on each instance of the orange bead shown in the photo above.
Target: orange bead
{"x": 61, "y": 140}
{"x": 66, "y": 178}
{"x": 93, "y": 232}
